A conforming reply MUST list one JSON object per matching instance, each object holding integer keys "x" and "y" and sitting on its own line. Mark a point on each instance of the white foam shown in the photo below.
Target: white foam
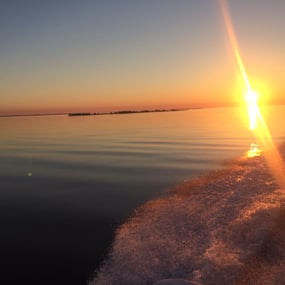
{"x": 224, "y": 228}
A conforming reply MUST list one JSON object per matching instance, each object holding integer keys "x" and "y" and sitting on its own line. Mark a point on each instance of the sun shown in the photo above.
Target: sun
{"x": 251, "y": 98}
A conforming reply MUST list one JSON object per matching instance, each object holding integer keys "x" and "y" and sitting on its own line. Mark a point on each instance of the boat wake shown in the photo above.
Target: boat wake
{"x": 224, "y": 228}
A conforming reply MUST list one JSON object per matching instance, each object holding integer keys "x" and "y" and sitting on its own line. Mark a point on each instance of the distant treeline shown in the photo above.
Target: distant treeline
{"x": 124, "y": 112}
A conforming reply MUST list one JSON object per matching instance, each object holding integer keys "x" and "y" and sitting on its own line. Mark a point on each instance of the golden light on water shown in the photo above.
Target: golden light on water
{"x": 254, "y": 150}
{"x": 257, "y": 123}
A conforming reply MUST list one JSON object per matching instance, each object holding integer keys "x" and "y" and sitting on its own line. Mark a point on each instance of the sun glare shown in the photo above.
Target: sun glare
{"x": 257, "y": 123}
{"x": 251, "y": 98}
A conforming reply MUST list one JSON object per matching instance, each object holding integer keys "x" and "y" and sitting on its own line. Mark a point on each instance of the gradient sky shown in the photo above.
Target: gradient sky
{"x": 84, "y": 55}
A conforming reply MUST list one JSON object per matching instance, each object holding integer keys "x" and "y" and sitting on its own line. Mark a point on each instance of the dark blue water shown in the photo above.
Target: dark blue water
{"x": 68, "y": 182}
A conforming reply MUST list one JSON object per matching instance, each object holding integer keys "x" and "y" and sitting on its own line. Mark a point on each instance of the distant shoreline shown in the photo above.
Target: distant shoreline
{"x": 123, "y": 112}
{"x": 120, "y": 112}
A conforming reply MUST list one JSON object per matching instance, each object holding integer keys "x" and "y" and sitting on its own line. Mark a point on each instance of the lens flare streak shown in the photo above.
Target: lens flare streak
{"x": 256, "y": 122}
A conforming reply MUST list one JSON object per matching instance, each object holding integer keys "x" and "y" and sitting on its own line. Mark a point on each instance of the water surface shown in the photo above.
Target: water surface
{"x": 68, "y": 182}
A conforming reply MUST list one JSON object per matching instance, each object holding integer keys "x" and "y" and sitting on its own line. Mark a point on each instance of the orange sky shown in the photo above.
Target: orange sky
{"x": 156, "y": 54}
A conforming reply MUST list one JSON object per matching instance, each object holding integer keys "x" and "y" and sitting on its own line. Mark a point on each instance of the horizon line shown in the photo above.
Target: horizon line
{"x": 129, "y": 110}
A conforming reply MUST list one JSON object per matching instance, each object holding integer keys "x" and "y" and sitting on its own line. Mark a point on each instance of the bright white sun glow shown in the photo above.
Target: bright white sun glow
{"x": 252, "y": 108}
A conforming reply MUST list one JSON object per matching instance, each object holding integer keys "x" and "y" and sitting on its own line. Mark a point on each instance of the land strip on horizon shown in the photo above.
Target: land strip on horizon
{"x": 99, "y": 113}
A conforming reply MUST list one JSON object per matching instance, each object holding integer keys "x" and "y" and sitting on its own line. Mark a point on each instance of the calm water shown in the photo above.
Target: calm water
{"x": 68, "y": 182}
